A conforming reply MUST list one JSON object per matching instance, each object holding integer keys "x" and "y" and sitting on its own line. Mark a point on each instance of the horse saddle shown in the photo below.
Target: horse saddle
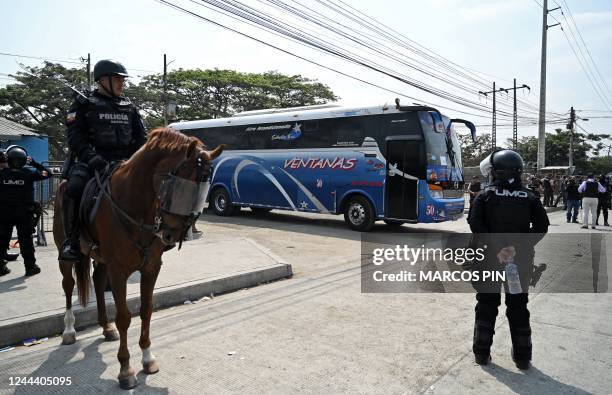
{"x": 92, "y": 195}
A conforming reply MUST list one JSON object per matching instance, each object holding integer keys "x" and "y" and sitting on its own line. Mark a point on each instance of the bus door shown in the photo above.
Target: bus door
{"x": 404, "y": 161}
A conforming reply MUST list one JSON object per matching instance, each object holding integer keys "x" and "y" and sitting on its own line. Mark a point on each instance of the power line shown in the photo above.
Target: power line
{"x": 73, "y": 61}
{"x": 584, "y": 44}
{"x": 293, "y": 34}
{"x": 41, "y": 58}
{"x": 181, "y": 9}
{"x": 586, "y": 72}
{"x": 303, "y": 58}
{"x": 586, "y": 66}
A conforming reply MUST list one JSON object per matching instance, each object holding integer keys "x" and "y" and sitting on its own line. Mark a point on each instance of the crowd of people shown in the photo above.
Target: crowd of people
{"x": 588, "y": 193}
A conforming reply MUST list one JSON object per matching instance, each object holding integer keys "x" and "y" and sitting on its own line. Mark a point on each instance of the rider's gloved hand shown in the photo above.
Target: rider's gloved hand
{"x": 97, "y": 163}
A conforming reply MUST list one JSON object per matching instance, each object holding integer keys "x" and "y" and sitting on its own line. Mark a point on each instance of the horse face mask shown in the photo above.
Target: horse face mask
{"x": 183, "y": 196}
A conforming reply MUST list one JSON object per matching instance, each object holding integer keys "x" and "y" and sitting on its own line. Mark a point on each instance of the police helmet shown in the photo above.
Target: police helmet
{"x": 503, "y": 165}
{"x": 16, "y": 157}
{"x": 107, "y": 67}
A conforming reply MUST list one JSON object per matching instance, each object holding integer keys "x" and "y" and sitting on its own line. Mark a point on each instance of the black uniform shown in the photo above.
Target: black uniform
{"x": 603, "y": 201}
{"x": 101, "y": 128}
{"x": 17, "y": 208}
{"x": 502, "y": 209}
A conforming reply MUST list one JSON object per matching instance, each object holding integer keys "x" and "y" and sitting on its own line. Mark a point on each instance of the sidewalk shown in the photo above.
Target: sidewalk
{"x": 33, "y": 307}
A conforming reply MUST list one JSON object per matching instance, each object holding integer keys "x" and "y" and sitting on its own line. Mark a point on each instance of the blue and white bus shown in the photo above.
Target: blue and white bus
{"x": 392, "y": 163}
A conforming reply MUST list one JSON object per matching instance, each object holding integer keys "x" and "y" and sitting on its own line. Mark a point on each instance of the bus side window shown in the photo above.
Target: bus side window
{"x": 312, "y": 135}
{"x": 258, "y": 139}
{"x": 347, "y": 133}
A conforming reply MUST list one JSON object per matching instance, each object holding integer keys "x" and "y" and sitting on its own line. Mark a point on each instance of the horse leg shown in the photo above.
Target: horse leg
{"x": 147, "y": 283}
{"x": 69, "y": 334}
{"x": 100, "y": 279}
{"x": 127, "y": 377}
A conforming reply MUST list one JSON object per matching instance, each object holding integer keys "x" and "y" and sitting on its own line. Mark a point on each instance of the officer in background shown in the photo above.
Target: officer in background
{"x": 6, "y": 256}
{"x": 17, "y": 205}
{"x": 102, "y": 127}
{"x": 506, "y": 207}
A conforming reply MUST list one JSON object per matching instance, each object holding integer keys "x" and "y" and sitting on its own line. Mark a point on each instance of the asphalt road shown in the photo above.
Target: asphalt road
{"x": 318, "y": 333}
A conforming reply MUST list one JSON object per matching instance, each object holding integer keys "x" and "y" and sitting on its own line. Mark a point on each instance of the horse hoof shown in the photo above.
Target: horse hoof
{"x": 150, "y": 368}
{"x": 69, "y": 338}
{"x": 128, "y": 383}
{"x": 111, "y": 336}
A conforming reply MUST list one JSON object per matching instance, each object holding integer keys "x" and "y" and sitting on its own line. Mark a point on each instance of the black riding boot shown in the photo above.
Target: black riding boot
{"x": 521, "y": 346}
{"x": 3, "y": 269}
{"x": 32, "y": 268}
{"x": 71, "y": 249}
{"x": 483, "y": 339}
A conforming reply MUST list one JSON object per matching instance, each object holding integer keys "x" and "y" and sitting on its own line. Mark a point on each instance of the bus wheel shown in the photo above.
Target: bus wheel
{"x": 359, "y": 214}
{"x": 395, "y": 224}
{"x": 260, "y": 210}
{"x": 221, "y": 203}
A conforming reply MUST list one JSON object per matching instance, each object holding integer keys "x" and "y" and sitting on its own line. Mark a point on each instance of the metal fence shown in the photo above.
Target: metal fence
{"x": 44, "y": 193}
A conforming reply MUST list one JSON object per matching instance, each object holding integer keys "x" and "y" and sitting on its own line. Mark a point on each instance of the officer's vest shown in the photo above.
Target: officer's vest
{"x": 109, "y": 126}
{"x": 591, "y": 190}
{"x": 16, "y": 187}
{"x": 508, "y": 210}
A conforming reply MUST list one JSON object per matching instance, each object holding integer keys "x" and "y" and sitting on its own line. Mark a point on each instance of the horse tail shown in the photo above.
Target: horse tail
{"x": 82, "y": 269}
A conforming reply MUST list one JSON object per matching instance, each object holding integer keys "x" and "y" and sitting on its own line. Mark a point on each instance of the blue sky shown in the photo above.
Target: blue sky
{"x": 498, "y": 37}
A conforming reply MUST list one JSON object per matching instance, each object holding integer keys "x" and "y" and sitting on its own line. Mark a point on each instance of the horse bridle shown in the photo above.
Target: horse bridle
{"x": 202, "y": 173}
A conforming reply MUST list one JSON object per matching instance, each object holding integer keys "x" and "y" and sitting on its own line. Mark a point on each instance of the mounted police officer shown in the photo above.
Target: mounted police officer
{"x": 17, "y": 205}
{"x": 103, "y": 127}
{"x": 506, "y": 207}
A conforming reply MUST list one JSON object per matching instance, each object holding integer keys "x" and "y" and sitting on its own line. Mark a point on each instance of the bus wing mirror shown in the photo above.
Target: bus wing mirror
{"x": 469, "y": 125}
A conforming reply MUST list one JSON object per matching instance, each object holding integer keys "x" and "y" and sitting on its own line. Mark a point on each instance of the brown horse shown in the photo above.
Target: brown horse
{"x": 148, "y": 205}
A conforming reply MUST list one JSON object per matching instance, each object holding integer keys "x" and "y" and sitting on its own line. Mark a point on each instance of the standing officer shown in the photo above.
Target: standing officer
{"x": 102, "y": 128}
{"x": 6, "y": 256}
{"x": 17, "y": 203}
{"x": 506, "y": 207}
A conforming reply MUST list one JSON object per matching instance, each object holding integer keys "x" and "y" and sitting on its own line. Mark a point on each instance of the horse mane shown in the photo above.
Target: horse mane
{"x": 169, "y": 139}
{"x": 166, "y": 140}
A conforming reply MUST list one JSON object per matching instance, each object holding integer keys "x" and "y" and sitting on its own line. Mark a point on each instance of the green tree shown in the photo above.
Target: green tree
{"x": 205, "y": 94}
{"x": 587, "y": 147}
{"x": 473, "y": 152}
{"x": 39, "y": 100}
{"x": 527, "y": 147}
{"x": 599, "y": 165}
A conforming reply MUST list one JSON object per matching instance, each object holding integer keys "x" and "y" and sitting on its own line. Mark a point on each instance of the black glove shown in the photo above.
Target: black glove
{"x": 97, "y": 163}
{"x": 36, "y": 165}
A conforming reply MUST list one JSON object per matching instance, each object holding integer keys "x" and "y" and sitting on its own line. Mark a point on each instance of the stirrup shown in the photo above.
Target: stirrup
{"x": 70, "y": 251}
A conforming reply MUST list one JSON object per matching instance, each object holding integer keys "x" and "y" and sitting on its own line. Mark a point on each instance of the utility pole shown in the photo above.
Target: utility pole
{"x": 542, "y": 117}
{"x": 570, "y": 127}
{"x": 164, "y": 95}
{"x": 88, "y": 71}
{"x": 494, "y": 127}
{"x": 515, "y": 116}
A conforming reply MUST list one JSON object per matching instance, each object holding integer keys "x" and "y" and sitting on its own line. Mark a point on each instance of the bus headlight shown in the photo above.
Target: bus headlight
{"x": 436, "y": 194}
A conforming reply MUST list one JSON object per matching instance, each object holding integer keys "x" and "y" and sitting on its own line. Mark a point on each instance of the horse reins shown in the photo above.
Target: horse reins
{"x": 121, "y": 215}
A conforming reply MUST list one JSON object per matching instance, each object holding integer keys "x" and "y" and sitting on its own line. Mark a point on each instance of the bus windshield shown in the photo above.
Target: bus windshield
{"x": 442, "y": 148}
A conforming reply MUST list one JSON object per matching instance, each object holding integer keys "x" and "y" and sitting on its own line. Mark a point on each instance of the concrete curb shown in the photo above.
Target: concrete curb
{"x": 51, "y": 322}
